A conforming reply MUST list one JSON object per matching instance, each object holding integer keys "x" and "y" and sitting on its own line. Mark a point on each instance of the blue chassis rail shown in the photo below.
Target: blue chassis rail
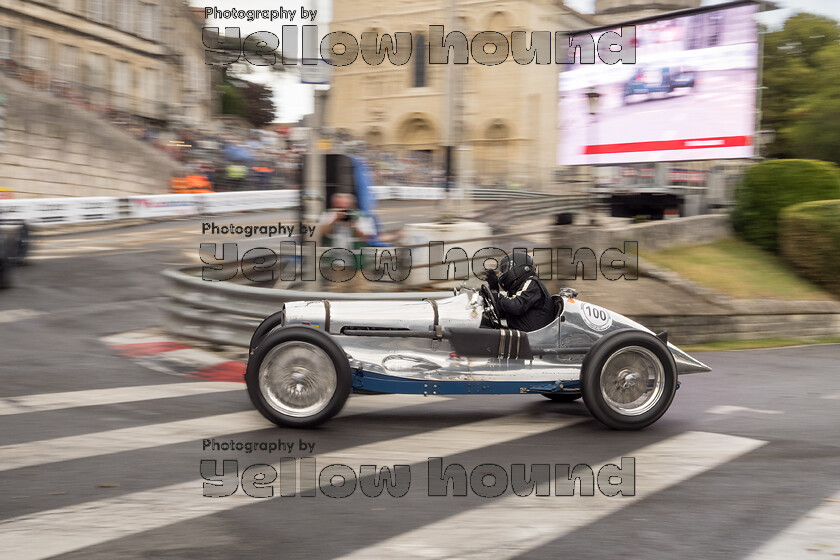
{"x": 378, "y": 383}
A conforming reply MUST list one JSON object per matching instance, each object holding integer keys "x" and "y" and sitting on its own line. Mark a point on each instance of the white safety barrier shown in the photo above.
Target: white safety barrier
{"x": 163, "y": 205}
{"x": 70, "y": 210}
{"x": 217, "y": 203}
{"x": 61, "y": 210}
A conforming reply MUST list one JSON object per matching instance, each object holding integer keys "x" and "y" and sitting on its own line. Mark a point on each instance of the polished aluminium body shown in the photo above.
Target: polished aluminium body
{"x": 390, "y": 363}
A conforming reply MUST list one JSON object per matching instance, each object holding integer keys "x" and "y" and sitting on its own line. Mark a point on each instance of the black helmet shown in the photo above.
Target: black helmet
{"x": 513, "y": 269}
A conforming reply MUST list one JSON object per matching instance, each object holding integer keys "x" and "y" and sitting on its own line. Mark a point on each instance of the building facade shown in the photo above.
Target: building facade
{"x": 503, "y": 117}
{"x": 613, "y": 11}
{"x": 142, "y": 57}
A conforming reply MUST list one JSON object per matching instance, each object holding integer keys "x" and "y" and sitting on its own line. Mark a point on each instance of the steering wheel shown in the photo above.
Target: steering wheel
{"x": 490, "y": 307}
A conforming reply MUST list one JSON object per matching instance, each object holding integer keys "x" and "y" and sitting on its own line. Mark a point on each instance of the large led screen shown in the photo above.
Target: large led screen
{"x": 690, "y": 94}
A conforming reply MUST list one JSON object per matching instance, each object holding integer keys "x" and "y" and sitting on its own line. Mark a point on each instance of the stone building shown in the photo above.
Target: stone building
{"x": 82, "y": 81}
{"x": 504, "y": 115}
{"x": 144, "y": 57}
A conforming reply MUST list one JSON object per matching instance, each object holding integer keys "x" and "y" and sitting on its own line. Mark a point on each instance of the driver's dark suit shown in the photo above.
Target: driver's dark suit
{"x": 527, "y": 306}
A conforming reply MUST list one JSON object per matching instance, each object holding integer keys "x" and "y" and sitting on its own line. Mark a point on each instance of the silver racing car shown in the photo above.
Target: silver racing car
{"x": 306, "y": 359}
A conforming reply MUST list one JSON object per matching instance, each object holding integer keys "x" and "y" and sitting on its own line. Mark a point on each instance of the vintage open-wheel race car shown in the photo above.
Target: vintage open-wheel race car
{"x": 307, "y": 358}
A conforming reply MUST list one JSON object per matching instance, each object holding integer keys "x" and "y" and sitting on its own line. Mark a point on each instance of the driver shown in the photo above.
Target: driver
{"x": 525, "y": 303}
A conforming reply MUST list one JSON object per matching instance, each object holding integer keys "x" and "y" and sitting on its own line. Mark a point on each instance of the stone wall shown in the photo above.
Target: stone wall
{"x": 773, "y": 322}
{"x": 651, "y": 236}
{"x": 53, "y": 148}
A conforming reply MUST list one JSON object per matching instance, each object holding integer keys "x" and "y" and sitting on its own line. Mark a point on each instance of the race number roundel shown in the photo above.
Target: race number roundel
{"x": 597, "y": 318}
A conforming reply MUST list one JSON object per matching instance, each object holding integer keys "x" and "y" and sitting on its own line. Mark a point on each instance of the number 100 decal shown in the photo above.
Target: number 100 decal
{"x": 597, "y": 318}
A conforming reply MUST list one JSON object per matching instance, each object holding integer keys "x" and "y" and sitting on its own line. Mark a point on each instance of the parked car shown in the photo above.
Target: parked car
{"x": 14, "y": 246}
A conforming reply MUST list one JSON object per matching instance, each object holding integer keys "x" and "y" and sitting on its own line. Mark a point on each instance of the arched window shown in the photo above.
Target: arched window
{"x": 417, "y": 133}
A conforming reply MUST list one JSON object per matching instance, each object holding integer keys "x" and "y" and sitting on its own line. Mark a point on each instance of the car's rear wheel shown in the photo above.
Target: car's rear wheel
{"x": 628, "y": 380}
{"x": 270, "y": 323}
{"x": 562, "y": 397}
{"x": 298, "y": 377}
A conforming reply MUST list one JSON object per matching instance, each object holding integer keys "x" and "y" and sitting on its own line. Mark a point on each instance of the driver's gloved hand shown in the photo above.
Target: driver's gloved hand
{"x": 493, "y": 280}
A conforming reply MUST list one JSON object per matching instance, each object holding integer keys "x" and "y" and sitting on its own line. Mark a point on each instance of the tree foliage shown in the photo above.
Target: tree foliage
{"x": 249, "y": 100}
{"x": 809, "y": 236}
{"x": 771, "y": 186}
{"x": 257, "y": 104}
{"x": 233, "y": 57}
{"x": 802, "y": 80}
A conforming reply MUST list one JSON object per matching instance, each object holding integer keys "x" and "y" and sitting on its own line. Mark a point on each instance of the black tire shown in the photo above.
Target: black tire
{"x": 5, "y": 272}
{"x": 23, "y": 245}
{"x": 6, "y": 266}
{"x": 304, "y": 339}
{"x": 268, "y": 324}
{"x": 562, "y": 397}
{"x": 645, "y": 349}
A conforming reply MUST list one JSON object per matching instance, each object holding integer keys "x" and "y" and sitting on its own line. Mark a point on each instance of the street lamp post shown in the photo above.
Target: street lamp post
{"x": 593, "y": 98}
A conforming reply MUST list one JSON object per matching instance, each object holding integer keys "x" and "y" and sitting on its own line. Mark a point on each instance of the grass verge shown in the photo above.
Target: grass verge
{"x": 758, "y": 344}
{"x": 738, "y": 269}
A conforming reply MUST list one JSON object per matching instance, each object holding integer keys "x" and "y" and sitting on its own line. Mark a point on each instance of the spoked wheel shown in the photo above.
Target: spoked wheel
{"x": 628, "y": 380}
{"x": 269, "y": 324}
{"x": 298, "y": 377}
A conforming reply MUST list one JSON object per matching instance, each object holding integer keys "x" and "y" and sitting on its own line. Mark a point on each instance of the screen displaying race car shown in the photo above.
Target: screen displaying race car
{"x": 690, "y": 94}
{"x": 664, "y": 80}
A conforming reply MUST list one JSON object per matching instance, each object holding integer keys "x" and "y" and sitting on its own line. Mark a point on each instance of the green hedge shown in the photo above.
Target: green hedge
{"x": 809, "y": 239}
{"x": 771, "y": 186}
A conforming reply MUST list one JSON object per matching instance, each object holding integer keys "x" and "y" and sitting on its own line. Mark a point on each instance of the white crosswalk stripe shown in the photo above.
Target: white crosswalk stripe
{"x": 513, "y": 525}
{"x": 816, "y": 532}
{"x": 143, "y": 437}
{"x": 12, "y": 315}
{"x": 66, "y": 529}
{"x": 115, "y": 395}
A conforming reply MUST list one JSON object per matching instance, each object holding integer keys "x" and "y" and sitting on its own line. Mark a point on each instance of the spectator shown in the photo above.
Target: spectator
{"x": 343, "y": 225}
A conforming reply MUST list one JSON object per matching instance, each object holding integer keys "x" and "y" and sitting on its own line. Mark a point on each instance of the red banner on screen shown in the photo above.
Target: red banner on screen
{"x": 669, "y": 145}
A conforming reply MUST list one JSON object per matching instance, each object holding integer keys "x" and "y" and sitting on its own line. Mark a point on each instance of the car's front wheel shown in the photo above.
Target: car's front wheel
{"x": 628, "y": 380}
{"x": 298, "y": 377}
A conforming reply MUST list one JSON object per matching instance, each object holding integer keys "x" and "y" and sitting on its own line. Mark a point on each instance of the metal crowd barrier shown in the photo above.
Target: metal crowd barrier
{"x": 226, "y": 313}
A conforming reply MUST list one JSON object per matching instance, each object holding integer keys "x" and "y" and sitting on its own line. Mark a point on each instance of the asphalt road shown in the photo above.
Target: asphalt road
{"x": 100, "y": 450}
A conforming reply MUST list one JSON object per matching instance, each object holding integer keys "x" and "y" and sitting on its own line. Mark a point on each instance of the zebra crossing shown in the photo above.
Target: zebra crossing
{"x": 667, "y": 463}
{"x": 503, "y": 527}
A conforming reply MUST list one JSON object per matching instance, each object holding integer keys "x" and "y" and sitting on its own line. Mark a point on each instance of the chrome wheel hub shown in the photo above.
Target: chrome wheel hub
{"x": 297, "y": 379}
{"x": 632, "y": 380}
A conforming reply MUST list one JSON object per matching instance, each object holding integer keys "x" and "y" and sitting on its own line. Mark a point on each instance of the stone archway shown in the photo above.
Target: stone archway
{"x": 417, "y": 132}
